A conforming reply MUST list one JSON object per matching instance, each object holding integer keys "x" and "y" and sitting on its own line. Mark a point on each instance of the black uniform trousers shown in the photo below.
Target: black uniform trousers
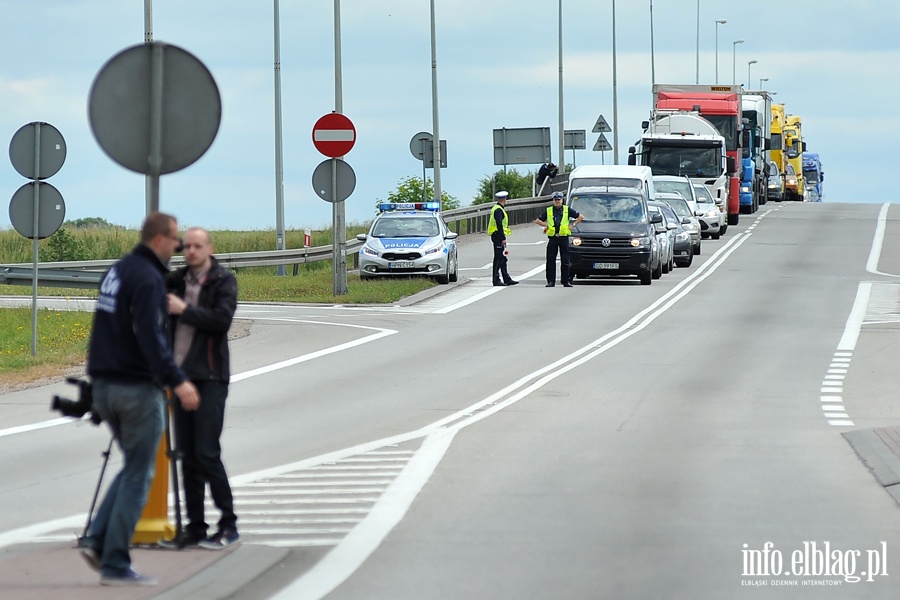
{"x": 557, "y": 243}
{"x": 499, "y": 274}
{"x": 198, "y": 433}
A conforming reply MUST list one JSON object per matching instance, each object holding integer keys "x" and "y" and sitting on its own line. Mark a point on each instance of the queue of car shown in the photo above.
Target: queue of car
{"x": 633, "y": 224}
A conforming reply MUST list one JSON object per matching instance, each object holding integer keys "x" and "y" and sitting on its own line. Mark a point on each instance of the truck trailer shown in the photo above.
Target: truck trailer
{"x": 721, "y": 106}
{"x": 756, "y": 107}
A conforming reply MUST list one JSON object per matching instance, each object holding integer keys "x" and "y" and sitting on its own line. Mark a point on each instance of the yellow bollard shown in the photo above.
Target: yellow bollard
{"x": 154, "y": 523}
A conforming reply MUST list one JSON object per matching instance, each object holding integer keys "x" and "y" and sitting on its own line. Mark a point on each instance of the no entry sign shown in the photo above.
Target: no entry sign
{"x": 334, "y": 135}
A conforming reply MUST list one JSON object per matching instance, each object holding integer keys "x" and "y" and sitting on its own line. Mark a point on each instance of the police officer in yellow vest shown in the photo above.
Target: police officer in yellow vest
{"x": 557, "y": 229}
{"x": 498, "y": 229}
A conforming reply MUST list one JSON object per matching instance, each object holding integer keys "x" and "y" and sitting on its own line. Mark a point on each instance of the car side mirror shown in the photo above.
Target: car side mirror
{"x": 361, "y": 237}
{"x": 452, "y": 235}
{"x": 671, "y": 226}
{"x": 656, "y": 218}
{"x": 686, "y": 221}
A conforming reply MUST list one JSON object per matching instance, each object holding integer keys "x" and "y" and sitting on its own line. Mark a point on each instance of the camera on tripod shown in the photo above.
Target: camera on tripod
{"x": 77, "y": 408}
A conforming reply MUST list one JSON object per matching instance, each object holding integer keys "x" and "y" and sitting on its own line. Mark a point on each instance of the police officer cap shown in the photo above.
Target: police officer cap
{"x": 501, "y": 195}
{"x": 559, "y": 195}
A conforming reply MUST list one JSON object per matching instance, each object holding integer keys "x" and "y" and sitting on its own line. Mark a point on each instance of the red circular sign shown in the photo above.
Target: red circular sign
{"x": 334, "y": 135}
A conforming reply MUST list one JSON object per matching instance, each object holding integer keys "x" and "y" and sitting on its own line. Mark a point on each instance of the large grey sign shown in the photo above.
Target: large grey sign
{"x": 522, "y": 146}
{"x": 51, "y": 210}
{"x": 154, "y": 108}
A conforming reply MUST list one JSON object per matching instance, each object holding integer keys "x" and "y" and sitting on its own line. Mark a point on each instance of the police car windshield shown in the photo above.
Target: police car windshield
{"x": 598, "y": 207}
{"x": 394, "y": 227}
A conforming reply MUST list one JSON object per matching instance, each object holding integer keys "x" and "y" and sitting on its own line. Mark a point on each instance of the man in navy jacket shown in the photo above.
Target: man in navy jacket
{"x": 129, "y": 362}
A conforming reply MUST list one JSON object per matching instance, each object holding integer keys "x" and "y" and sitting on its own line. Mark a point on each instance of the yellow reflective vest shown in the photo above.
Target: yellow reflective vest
{"x": 492, "y": 225}
{"x": 563, "y": 227}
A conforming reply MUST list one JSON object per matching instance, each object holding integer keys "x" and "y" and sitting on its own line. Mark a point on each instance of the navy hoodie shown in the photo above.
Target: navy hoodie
{"x": 128, "y": 341}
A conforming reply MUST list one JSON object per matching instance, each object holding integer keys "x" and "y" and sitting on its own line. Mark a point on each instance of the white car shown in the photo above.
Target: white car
{"x": 409, "y": 239}
{"x": 712, "y": 220}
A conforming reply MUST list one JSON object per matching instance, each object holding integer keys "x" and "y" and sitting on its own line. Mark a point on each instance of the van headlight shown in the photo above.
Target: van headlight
{"x": 576, "y": 241}
{"x": 640, "y": 242}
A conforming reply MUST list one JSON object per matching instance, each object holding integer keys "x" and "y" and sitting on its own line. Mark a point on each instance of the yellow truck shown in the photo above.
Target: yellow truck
{"x": 794, "y": 147}
{"x": 776, "y": 153}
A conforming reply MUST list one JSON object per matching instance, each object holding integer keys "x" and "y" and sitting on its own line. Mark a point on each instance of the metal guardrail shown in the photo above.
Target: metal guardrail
{"x": 86, "y": 274}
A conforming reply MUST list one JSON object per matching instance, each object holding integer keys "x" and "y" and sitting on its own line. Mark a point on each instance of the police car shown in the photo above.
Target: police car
{"x": 409, "y": 238}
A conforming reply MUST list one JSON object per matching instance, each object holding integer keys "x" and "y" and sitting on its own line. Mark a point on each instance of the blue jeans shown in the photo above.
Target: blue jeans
{"x": 134, "y": 413}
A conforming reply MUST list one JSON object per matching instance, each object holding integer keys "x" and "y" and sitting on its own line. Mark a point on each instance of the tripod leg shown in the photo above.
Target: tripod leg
{"x": 173, "y": 455}
{"x": 90, "y": 516}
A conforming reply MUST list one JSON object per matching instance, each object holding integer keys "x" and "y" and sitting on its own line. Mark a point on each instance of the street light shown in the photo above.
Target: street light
{"x": 718, "y": 22}
{"x": 733, "y": 57}
{"x": 761, "y": 79}
{"x": 749, "y": 63}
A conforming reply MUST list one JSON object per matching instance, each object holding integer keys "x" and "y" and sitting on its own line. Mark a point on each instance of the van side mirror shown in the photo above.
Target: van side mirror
{"x": 632, "y": 159}
{"x": 656, "y": 218}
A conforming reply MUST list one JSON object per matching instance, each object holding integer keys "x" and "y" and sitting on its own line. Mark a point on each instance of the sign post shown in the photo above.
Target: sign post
{"x": 334, "y": 136}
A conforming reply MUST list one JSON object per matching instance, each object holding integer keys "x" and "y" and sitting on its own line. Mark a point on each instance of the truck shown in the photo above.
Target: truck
{"x": 776, "y": 149}
{"x": 756, "y": 108}
{"x": 794, "y": 146}
{"x": 813, "y": 175}
{"x": 721, "y": 106}
{"x": 680, "y": 143}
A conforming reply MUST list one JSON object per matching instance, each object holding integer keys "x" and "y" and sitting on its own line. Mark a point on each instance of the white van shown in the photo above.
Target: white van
{"x": 620, "y": 176}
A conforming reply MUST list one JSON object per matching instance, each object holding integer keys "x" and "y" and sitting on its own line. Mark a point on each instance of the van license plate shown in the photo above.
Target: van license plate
{"x": 606, "y": 265}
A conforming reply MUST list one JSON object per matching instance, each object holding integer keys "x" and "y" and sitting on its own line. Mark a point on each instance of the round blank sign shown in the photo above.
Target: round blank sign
{"x": 52, "y": 151}
{"x": 154, "y": 87}
{"x": 51, "y": 210}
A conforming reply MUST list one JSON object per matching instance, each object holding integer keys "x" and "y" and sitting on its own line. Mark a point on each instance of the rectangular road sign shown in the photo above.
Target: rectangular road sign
{"x": 573, "y": 139}
{"x": 522, "y": 146}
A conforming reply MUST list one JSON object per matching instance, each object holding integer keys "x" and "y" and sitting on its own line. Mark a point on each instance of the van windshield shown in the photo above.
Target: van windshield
{"x": 606, "y": 182}
{"x": 598, "y": 207}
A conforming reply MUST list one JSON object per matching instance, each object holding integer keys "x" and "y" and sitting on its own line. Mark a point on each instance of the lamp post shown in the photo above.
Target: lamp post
{"x": 562, "y": 133}
{"x": 652, "y": 54}
{"x": 615, "y": 126}
{"x": 761, "y": 79}
{"x": 749, "y": 63}
{"x": 733, "y": 58}
{"x": 698, "y": 43}
{"x": 718, "y": 22}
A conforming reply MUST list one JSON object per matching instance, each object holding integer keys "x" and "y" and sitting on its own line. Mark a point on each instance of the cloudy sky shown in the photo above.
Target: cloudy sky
{"x": 832, "y": 62}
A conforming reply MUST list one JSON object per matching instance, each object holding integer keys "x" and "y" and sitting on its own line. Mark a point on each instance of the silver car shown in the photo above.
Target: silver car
{"x": 712, "y": 220}
{"x": 689, "y": 222}
{"x": 409, "y": 239}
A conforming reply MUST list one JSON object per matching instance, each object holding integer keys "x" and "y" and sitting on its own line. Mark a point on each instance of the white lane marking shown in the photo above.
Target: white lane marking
{"x": 42, "y": 425}
{"x": 855, "y": 320}
{"x": 485, "y": 293}
{"x": 380, "y": 333}
{"x": 877, "y": 242}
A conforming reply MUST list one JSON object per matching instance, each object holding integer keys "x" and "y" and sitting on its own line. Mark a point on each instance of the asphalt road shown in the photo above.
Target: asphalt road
{"x": 611, "y": 440}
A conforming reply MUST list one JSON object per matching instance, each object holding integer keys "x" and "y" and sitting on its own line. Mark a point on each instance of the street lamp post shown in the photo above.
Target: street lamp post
{"x": 698, "y": 43}
{"x": 652, "y": 54}
{"x": 733, "y": 59}
{"x": 749, "y": 63}
{"x": 718, "y": 22}
{"x": 761, "y": 79}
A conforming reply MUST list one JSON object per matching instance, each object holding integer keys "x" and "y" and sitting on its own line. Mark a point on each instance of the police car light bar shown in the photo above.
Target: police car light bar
{"x": 385, "y": 206}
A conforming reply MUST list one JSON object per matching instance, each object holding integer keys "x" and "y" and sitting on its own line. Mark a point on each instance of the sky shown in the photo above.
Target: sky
{"x": 832, "y": 62}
